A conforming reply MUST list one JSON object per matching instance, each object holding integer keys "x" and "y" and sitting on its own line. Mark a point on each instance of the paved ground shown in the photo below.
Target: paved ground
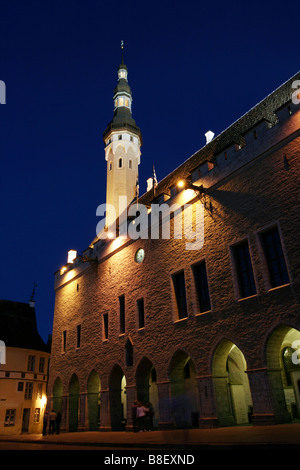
{"x": 238, "y": 437}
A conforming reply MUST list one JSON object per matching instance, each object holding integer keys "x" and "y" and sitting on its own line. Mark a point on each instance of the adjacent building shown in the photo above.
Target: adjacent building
{"x": 24, "y": 359}
{"x": 192, "y": 305}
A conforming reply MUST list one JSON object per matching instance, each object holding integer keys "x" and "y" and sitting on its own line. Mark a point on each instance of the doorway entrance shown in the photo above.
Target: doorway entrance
{"x": 25, "y": 420}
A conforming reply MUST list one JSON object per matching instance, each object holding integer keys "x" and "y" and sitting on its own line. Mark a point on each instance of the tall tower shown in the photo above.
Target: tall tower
{"x": 122, "y": 139}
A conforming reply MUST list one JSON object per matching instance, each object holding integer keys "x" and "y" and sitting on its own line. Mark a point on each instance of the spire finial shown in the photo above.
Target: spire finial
{"x": 122, "y": 49}
{"x": 32, "y": 298}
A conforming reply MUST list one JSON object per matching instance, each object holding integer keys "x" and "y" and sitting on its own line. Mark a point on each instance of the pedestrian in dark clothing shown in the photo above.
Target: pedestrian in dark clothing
{"x": 45, "y": 423}
{"x": 58, "y": 421}
{"x": 149, "y": 417}
{"x": 52, "y": 418}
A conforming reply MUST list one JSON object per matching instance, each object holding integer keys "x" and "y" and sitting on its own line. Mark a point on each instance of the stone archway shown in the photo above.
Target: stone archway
{"x": 232, "y": 391}
{"x": 117, "y": 399}
{"x": 184, "y": 391}
{"x": 73, "y": 403}
{"x": 93, "y": 400}
{"x": 284, "y": 372}
{"x": 146, "y": 386}
{"x": 57, "y": 395}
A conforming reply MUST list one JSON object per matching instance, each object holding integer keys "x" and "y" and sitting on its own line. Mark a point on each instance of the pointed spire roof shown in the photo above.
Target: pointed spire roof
{"x": 122, "y": 117}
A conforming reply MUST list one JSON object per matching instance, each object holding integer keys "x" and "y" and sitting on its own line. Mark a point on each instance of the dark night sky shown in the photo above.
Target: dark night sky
{"x": 193, "y": 67}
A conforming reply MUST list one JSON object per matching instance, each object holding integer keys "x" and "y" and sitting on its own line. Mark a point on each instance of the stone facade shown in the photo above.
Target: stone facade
{"x": 222, "y": 361}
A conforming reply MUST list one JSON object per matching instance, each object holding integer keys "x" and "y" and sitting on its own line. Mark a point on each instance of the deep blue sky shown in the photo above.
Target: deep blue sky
{"x": 193, "y": 67}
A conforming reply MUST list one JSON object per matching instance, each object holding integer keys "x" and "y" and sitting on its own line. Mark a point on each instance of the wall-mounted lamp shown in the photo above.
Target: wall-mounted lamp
{"x": 187, "y": 185}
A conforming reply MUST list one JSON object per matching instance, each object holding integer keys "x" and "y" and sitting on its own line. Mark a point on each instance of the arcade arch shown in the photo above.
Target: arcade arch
{"x": 184, "y": 391}
{"x": 284, "y": 372}
{"x": 231, "y": 384}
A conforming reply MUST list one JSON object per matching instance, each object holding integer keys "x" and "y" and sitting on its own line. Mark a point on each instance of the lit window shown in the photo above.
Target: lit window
{"x": 10, "y": 416}
{"x": 37, "y": 413}
{"x": 122, "y": 74}
{"x": 121, "y": 101}
{"x": 127, "y": 102}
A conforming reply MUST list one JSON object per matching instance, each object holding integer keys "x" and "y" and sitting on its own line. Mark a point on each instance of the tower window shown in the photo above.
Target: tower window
{"x": 120, "y": 137}
{"x": 110, "y": 166}
{"x": 120, "y": 163}
{"x": 179, "y": 287}
{"x": 130, "y": 164}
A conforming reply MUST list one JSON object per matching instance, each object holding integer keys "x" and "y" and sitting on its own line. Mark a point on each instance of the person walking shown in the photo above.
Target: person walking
{"x": 52, "y": 418}
{"x": 140, "y": 414}
{"x": 149, "y": 417}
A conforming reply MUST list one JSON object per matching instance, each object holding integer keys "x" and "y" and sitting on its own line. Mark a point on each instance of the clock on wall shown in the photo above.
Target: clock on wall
{"x": 140, "y": 255}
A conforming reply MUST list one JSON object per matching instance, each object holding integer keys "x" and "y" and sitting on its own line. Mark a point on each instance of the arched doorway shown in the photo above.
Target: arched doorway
{"x": 57, "y": 395}
{"x": 146, "y": 386}
{"x": 231, "y": 384}
{"x": 184, "y": 391}
{"x": 284, "y": 372}
{"x": 73, "y": 403}
{"x": 117, "y": 399}
{"x": 93, "y": 400}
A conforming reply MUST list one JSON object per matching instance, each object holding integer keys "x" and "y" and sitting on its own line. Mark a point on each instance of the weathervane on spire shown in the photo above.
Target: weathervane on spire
{"x": 122, "y": 48}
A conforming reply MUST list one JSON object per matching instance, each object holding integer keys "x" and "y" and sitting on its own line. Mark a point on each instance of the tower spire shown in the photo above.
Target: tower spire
{"x": 122, "y": 140}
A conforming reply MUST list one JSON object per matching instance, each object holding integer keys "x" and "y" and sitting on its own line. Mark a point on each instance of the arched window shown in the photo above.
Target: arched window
{"x": 130, "y": 164}
{"x": 120, "y": 162}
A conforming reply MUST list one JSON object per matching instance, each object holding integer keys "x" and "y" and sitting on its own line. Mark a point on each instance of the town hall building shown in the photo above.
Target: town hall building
{"x": 203, "y": 323}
